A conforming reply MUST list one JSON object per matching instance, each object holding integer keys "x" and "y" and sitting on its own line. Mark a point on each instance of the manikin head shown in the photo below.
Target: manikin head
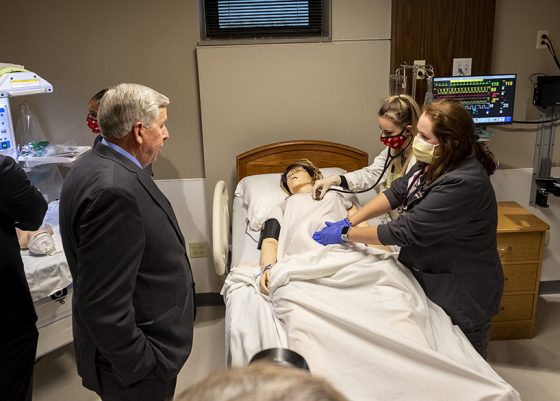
{"x": 299, "y": 177}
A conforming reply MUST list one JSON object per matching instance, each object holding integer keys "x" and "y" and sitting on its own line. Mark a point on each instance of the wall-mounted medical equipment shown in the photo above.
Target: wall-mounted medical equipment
{"x": 398, "y": 82}
{"x": 488, "y": 98}
{"x": 15, "y": 81}
{"x": 546, "y": 97}
{"x": 546, "y": 91}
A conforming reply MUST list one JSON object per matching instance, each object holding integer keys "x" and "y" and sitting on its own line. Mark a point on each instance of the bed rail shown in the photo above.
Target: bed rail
{"x": 220, "y": 228}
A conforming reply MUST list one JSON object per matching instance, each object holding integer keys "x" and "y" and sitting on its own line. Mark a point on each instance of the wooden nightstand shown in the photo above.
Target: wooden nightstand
{"x": 520, "y": 245}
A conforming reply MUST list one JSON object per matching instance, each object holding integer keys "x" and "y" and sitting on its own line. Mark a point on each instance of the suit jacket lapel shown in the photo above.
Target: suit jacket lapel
{"x": 158, "y": 196}
{"x": 144, "y": 178}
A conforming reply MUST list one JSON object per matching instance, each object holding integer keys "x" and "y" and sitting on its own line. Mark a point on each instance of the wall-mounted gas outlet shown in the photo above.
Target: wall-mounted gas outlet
{"x": 540, "y": 41}
{"x": 420, "y": 72}
{"x": 462, "y": 66}
{"x": 198, "y": 249}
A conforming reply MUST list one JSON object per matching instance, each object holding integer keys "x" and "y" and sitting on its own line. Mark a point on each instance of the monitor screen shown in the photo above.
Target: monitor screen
{"x": 489, "y": 98}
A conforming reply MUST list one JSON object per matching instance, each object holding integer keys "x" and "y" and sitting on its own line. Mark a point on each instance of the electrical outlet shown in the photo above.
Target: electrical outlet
{"x": 421, "y": 71}
{"x": 462, "y": 66}
{"x": 198, "y": 249}
{"x": 540, "y": 40}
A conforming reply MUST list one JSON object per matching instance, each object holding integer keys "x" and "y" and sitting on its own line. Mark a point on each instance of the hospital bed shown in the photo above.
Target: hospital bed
{"x": 50, "y": 284}
{"x": 365, "y": 325}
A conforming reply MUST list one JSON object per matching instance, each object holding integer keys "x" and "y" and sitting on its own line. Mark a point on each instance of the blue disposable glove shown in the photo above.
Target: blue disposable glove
{"x": 331, "y": 233}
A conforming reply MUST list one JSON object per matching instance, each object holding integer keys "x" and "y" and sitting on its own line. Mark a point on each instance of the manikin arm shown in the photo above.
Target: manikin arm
{"x": 269, "y": 251}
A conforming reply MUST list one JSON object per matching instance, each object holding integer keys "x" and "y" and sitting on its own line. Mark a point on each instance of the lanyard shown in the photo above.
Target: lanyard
{"x": 403, "y": 207}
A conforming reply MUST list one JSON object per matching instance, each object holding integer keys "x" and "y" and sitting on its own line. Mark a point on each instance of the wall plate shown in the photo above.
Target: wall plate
{"x": 462, "y": 66}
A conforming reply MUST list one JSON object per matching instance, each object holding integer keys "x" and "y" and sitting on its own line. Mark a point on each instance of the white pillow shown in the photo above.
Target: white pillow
{"x": 262, "y": 193}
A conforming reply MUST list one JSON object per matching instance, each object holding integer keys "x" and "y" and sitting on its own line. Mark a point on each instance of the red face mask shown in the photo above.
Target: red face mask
{"x": 93, "y": 125}
{"x": 395, "y": 141}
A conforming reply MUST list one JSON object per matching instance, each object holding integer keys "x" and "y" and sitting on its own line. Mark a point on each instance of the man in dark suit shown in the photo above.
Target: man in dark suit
{"x": 133, "y": 288}
{"x": 21, "y": 206}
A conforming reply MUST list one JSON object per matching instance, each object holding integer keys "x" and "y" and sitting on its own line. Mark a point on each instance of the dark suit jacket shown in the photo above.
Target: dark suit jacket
{"x": 22, "y": 206}
{"x": 133, "y": 287}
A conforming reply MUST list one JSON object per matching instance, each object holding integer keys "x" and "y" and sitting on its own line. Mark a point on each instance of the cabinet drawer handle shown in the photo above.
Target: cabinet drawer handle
{"x": 503, "y": 251}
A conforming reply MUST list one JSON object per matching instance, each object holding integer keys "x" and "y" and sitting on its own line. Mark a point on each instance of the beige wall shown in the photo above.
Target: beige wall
{"x": 257, "y": 94}
{"x": 515, "y": 36}
{"x": 81, "y": 47}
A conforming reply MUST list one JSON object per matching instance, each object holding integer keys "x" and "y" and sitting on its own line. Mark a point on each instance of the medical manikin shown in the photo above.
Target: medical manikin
{"x": 303, "y": 212}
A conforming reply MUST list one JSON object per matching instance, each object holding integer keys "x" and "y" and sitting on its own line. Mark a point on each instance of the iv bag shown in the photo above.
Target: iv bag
{"x": 27, "y": 127}
{"x": 429, "y": 96}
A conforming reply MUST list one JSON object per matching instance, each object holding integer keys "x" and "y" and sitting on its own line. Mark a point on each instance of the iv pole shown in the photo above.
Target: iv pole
{"x": 418, "y": 70}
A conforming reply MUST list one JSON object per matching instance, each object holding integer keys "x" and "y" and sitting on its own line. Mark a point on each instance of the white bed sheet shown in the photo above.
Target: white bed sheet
{"x": 359, "y": 318}
{"x": 243, "y": 245}
{"x": 47, "y": 274}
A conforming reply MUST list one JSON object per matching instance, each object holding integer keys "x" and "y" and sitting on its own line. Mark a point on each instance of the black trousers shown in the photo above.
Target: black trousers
{"x": 479, "y": 337}
{"x": 150, "y": 389}
{"x": 17, "y": 359}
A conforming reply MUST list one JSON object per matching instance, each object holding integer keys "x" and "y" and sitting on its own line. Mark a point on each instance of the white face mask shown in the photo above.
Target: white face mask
{"x": 41, "y": 243}
{"x": 422, "y": 150}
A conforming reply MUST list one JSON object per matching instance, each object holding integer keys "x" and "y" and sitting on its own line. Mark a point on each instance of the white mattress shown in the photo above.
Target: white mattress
{"x": 49, "y": 273}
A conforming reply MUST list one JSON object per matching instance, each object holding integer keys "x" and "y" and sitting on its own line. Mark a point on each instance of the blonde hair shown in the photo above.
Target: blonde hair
{"x": 402, "y": 110}
{"x": 306, "y": 164}
{"x": 262, "y": 381}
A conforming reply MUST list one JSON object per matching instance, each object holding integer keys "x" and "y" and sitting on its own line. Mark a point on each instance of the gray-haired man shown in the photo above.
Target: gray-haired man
{"x": 133, "y": 287}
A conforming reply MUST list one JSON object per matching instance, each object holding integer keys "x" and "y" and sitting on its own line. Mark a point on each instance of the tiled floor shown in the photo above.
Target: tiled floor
{"x": 531, "y": 366}
{"x": 55, "y": 377}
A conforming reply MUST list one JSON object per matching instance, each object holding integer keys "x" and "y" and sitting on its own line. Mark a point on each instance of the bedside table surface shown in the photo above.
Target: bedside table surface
{"x": 512, "y": 217}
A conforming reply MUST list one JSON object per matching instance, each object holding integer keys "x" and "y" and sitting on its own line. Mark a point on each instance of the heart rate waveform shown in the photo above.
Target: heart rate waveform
{"x": 488, "y": 98}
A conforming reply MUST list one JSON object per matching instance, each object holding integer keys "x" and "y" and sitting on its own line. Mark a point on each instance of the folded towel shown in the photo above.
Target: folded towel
{"x": 7, "y": 68}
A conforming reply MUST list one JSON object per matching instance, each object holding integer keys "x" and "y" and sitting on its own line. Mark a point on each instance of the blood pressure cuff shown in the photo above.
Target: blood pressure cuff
{"x": 271, "y": 229}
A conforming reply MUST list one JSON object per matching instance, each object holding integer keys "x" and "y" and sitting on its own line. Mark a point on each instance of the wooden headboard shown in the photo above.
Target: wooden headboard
{"x": 274, "y": 158}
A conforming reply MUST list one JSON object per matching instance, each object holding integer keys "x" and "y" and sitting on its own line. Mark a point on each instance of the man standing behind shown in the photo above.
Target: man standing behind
{"x": 133, "y": 287}
{"x": 21, "y": 206}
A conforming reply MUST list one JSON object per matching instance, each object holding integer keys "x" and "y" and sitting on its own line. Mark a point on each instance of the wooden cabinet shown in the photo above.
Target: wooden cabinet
{"x": 520, "y": 245}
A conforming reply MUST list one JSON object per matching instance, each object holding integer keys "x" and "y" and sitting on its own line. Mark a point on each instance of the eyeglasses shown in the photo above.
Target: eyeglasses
{"x": 294, "y": 171}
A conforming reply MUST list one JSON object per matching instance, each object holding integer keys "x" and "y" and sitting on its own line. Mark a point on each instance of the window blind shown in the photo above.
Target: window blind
{"x": 233, "y": 19}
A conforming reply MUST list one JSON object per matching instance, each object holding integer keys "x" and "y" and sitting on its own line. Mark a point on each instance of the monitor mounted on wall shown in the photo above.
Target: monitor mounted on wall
{"x": 488, "y": 98}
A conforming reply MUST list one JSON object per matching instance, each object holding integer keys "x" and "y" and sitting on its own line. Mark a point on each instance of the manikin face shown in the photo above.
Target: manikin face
{"x": 152, "y": 138}
{"x": 297, "y": 178}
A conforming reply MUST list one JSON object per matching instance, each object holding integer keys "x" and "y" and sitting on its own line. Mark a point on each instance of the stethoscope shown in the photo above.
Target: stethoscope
{"x": 386, "y": 165}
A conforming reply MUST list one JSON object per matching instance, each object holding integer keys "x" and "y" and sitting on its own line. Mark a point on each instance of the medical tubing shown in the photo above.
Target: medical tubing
{"x": 247, "y": 232}
{"x": 550, "y": 46}
{"x": 552, "y": 120}
{"x": 388, "y": 162}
